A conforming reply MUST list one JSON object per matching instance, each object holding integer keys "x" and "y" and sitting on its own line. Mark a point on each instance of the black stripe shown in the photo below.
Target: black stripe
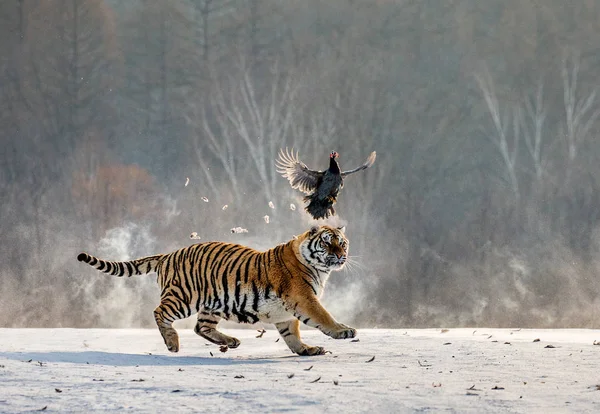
{"x": 225, "y": 278}
{"x": 171, "y": 314}
{"x": 216, "y": 302}
{"x": 191, "y": 256}
{"x": 186, "y": 282}
{"x": 204, "y": 272}
{"x": 180, "y": 311}
{"x": 199, "y": 269}
{"x": 207, "y": 321}
{"x": 312, "y": 276}
{"x": 225, "y": 285}
{"x": 283, "y": 263}
{"x": 259, "y": 264}
{"x": 242, "y": 311}
{"x": 168, "y": 265}
{"x": 211, "y": 278}
{"x": 169, "y": 309}
{"x": 247, "y": 270}
{"x": 186, "y": 303}
{"x": 239, "y": 313}
{"x": 224, "y": 259}
{"x": 174, "y": 292}
{"x": 129, "y": 268}
{"x": 308, "y": 271}
{"x": 266, "y": 267}
{"x": 247, "y": 315}
{"x": 238, "y": 283}
{"x": 217, "y": 269}
{"x": 233, "y": 310}
{"x": 256, "y": 257}
{"x": 309, "y": 285}
{"x": 178, "y": 291}
{"x": 213, "y": 260}
{"x": 135, "y": 267}
{"x": 102, "y": 264}
{"x": 256, "y": 297}
{"x": 213, "y": 246}
{"x": 121, "y": 269}
{"x": 237, "y": 265}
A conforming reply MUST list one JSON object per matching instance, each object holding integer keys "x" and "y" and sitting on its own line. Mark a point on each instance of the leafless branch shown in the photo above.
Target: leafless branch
{"x": 533, "y": 128}
{"x": 580, "y": 111}
{"x": 508, "y": 148}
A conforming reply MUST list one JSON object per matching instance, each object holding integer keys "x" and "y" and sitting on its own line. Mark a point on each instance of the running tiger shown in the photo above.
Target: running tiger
{"x": 233, "y": 282}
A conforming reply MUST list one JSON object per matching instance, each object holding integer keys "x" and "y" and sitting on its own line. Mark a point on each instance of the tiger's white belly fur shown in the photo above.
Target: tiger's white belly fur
{"x": 270, "y": 310}
{"x": 273, "y": 311}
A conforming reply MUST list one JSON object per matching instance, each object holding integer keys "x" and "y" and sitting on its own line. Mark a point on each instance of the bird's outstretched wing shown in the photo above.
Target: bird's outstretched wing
{"x": 367, "y": 164}
{"x": 297, "y": 173}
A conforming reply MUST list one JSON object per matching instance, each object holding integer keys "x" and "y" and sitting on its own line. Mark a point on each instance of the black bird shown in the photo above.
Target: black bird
{"x": 321, "y": 187}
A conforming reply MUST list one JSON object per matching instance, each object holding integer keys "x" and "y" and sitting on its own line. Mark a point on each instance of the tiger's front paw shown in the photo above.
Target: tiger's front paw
{"x": 233, "y": 342}
{"x": 311, "y": 350}
{"x": 172, "y": 343}
{"x": 342, "y": 331}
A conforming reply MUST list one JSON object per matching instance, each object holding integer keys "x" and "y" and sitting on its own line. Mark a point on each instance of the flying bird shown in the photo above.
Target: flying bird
{"x": 321, "y": 187}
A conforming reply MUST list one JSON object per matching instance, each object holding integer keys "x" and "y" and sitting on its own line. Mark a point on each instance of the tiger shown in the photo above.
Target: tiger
{"x": 219, "y": 280}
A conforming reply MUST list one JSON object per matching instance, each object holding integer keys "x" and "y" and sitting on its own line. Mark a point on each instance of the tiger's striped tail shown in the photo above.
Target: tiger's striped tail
{"x": 130, "y": 268}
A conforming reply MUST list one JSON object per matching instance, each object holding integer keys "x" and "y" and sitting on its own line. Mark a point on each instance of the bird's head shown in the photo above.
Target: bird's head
{"x": 334, "y": 155}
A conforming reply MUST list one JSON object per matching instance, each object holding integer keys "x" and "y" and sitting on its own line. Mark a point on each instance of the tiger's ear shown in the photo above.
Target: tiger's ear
{"x": 342, "y": 229}
{"x": 314, "y": 230}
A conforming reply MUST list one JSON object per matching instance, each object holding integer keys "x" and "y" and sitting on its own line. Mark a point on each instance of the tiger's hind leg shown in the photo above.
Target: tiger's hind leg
{"x": 290, "y": 331}
{"x": 206, "y": 327}
{"x": 170, "y": 310}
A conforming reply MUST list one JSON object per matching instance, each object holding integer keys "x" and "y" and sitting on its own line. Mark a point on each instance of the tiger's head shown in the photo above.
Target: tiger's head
{"x": 325, "y": 248}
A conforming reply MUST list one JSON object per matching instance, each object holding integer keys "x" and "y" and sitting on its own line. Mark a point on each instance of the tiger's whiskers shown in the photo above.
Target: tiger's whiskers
{"x": 353, "y": 265}
{"x": 352, "y": 261}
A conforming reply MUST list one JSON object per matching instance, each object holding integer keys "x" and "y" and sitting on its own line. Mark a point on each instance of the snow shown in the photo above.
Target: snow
{"x": 430, "y": 370}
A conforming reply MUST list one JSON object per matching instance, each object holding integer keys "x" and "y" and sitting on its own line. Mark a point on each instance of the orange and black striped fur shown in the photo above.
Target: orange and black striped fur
{"x": 233, "y": 282}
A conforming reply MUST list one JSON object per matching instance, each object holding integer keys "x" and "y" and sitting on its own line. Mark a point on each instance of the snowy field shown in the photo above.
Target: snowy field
{"x": 459, "y": 370}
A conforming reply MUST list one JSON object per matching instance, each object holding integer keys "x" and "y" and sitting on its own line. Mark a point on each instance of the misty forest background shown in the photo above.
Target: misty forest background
{"x": 483, "y": 207}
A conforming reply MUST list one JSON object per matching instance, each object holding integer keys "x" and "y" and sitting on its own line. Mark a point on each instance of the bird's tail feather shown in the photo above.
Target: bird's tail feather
{"x": 319, "y": 209}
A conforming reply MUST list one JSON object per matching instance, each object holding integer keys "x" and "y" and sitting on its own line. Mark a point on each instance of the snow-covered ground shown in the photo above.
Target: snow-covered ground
{"x": 459, "y": 370}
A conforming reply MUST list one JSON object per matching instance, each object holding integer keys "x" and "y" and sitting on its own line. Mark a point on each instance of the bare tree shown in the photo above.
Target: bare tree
{"x": 65, "y": 75}
{"x": 259, "y": 120}
{"x": 533, "y": 129}
{"x": 210, "y": 15}
{"x": 581, "y": 110}
{"x": 315, "y": 125}
{"x": 69, "y": 67}
{"x": 507, "y": 145}
{"x": 213, "y": 140}
{"x": 163, "y": 69}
